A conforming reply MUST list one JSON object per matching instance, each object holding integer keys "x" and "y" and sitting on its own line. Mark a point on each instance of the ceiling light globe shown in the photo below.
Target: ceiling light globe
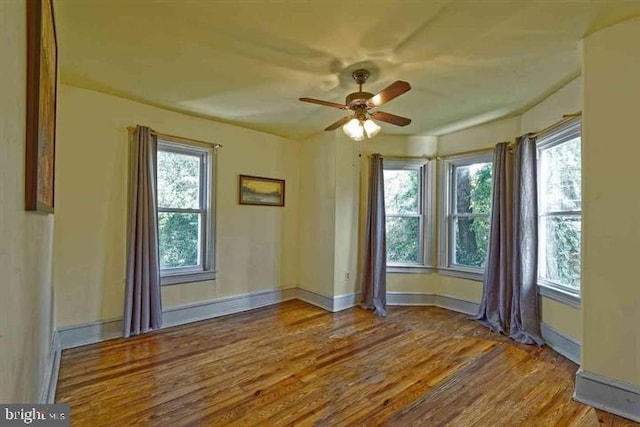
{"x": 371, "y": 128}
{"x": 354, "y": 130}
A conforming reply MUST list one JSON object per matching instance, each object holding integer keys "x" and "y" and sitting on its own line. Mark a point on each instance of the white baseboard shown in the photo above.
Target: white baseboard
{"x": 429, "y": 299}
{"x": 565, "y": 345}
{"x": 89, "y": 333}
{"x": 316, "y": 299}
{"x": 456, "y": 304}
{"x": 343, "y": 302}
{"x": 410, "y": 298}
{"x": 608, "y": 394}
{"x": 238, "y": 303}
{"x": 50, "y": 380}
{"x": 93, "y": 332}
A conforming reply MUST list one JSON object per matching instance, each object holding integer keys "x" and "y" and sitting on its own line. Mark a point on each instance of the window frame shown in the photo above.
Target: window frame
{"x": 447, "y": 167}
{"x": 425, "y": 205}
{"x": 206, "y": 268}
{"x": 559, "y": 135}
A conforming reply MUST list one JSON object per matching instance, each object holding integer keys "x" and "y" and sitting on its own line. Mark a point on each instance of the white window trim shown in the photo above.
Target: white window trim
{"x": 445, "y": 229}
{"x": 569, "y": 130}
{"x": 427, "y": 224}
{"x": 206, "y": 270}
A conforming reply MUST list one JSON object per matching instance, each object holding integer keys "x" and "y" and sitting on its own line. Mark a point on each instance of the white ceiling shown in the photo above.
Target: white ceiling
{"x": 247, "y": 62}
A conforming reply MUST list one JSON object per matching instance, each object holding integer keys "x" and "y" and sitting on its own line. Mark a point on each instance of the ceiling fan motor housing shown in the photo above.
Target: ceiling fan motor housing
{"x": 357, "y": 99}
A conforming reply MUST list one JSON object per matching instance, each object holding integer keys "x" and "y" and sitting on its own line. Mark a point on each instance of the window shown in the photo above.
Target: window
{"x": 560, "y": 209}
{"x": 407, "y": 199}
{"x": 465, "y": 208}
{"x": 185, "y": 214}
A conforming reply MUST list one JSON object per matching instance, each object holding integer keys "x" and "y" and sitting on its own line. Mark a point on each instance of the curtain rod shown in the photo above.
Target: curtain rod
{"x": 401, "y": 157}
{"x": 565, "y": 119}
{"x": 178, "y": 138}
{"x": 462, "y": 153}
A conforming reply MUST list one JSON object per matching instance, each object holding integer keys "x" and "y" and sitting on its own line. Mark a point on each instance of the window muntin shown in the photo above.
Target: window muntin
{"x": 560, "y": 209}
{"x": 466, "y": 185}
{"x": 408, "y": 226}
{"x": 185, "y": 215}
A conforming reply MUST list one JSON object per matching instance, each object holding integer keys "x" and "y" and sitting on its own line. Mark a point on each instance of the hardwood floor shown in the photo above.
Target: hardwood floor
{"x": 296, "y": 364}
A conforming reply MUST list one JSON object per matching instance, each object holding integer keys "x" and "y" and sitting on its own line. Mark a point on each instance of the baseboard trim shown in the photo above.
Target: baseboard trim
{"x": 345, "y": 301}
{"x": 94, "y": 332}
{"x": 410, "y": 298}
{"x": 314, "y": 298}
{"x": 50, "y": 380}
{"x": 607, "y": 394}
{"x": 188, "y": 313}
{"x": 429, "y": 299}
{"x": 89, "y": 333}
{"x": 457, "y": 304}
{"x": 566, "y": 346}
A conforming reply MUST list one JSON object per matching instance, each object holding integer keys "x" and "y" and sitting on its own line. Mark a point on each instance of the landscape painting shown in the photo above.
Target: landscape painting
{"x": 256, "y": 190}
{"x": 42, "y": 58}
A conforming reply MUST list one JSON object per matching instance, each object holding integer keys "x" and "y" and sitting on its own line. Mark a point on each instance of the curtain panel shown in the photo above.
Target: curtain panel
{"x": 143, "y": 305}
{"x": 372, "y": 277}
{"x": 509, "y": 298}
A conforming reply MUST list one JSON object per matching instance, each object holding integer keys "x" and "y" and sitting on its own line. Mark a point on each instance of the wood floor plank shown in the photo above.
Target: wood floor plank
{"x": 294, "y": 364}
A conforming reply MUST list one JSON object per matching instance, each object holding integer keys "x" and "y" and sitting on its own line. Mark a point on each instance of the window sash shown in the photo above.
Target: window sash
{"x": 542, "y": 251}
{"x": 449, "y": 214}
{"x": 554, "y": 138}
{"x": 202, "y": 178}
{"x": 206, "y": 243}
{"x": 452, "y": 237}
{"x": 454, "y": 186}
{"x": 421, "y": 250}
{"x": 425, "y": 179}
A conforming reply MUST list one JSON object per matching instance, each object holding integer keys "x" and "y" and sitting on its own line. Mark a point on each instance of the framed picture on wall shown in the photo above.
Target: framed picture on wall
{"x": 257, "y": 190}
{"x": 42, "y": 67}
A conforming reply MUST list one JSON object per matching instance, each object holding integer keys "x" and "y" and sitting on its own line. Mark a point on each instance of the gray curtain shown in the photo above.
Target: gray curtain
{"x": 373, "y": 274}
{"x": 509, "y": 299}
{"x": 143, "y": 305}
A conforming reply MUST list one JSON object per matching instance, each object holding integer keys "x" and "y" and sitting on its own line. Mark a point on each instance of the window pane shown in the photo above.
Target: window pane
{"x": 560, "y": 177}
{"x": 401, "y": 191}
{"x": 179, "y": 239}
{"x": 178, "y": 180}
{"x": 560, "y": 250}
{"x": 403, "y": 239}
{"x": 473, "y": 188}
{"x": 471, "y": 236}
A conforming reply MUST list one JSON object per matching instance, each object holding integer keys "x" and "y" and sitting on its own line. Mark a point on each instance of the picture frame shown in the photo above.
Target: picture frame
{"x": 42, "y": 78}
{"x": 262, "y": 191}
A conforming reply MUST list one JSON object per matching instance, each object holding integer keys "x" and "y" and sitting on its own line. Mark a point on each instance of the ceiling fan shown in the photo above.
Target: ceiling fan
{"x": 363, "y": 106}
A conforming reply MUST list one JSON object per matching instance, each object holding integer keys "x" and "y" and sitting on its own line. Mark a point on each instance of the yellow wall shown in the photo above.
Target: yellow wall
{"x": 611, "y": 203}
{"x": 257, "y": 246}
{"x": 25, "y": 264}
{"x": 566, "y": 100}
{"x": 479, "y": 137}
{"x": 317, "y": 213}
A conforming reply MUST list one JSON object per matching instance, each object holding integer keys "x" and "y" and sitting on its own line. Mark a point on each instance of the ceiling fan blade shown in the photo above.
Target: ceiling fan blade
{"x": 390, "y": 118}
{"x": 387, "y": 94}
{"x": 339, "y": 123}
{"x": 325, "y": 103}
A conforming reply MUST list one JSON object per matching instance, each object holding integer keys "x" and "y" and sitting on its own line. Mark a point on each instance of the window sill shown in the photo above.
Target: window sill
{"x": 463, "y": 274}
{"x": 559, "y": 295}
{"x": 409, "y": 269}
{"x": 177, "y": 279}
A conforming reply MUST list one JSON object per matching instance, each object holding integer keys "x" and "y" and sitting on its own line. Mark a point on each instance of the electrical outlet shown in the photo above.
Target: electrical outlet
{"x": 347, "y": 275}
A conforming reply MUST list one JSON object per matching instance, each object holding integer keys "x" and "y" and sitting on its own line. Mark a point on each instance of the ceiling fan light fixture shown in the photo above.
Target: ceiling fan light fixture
{"x": 354, "y": 129}
{"x": 371, "y": 128}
